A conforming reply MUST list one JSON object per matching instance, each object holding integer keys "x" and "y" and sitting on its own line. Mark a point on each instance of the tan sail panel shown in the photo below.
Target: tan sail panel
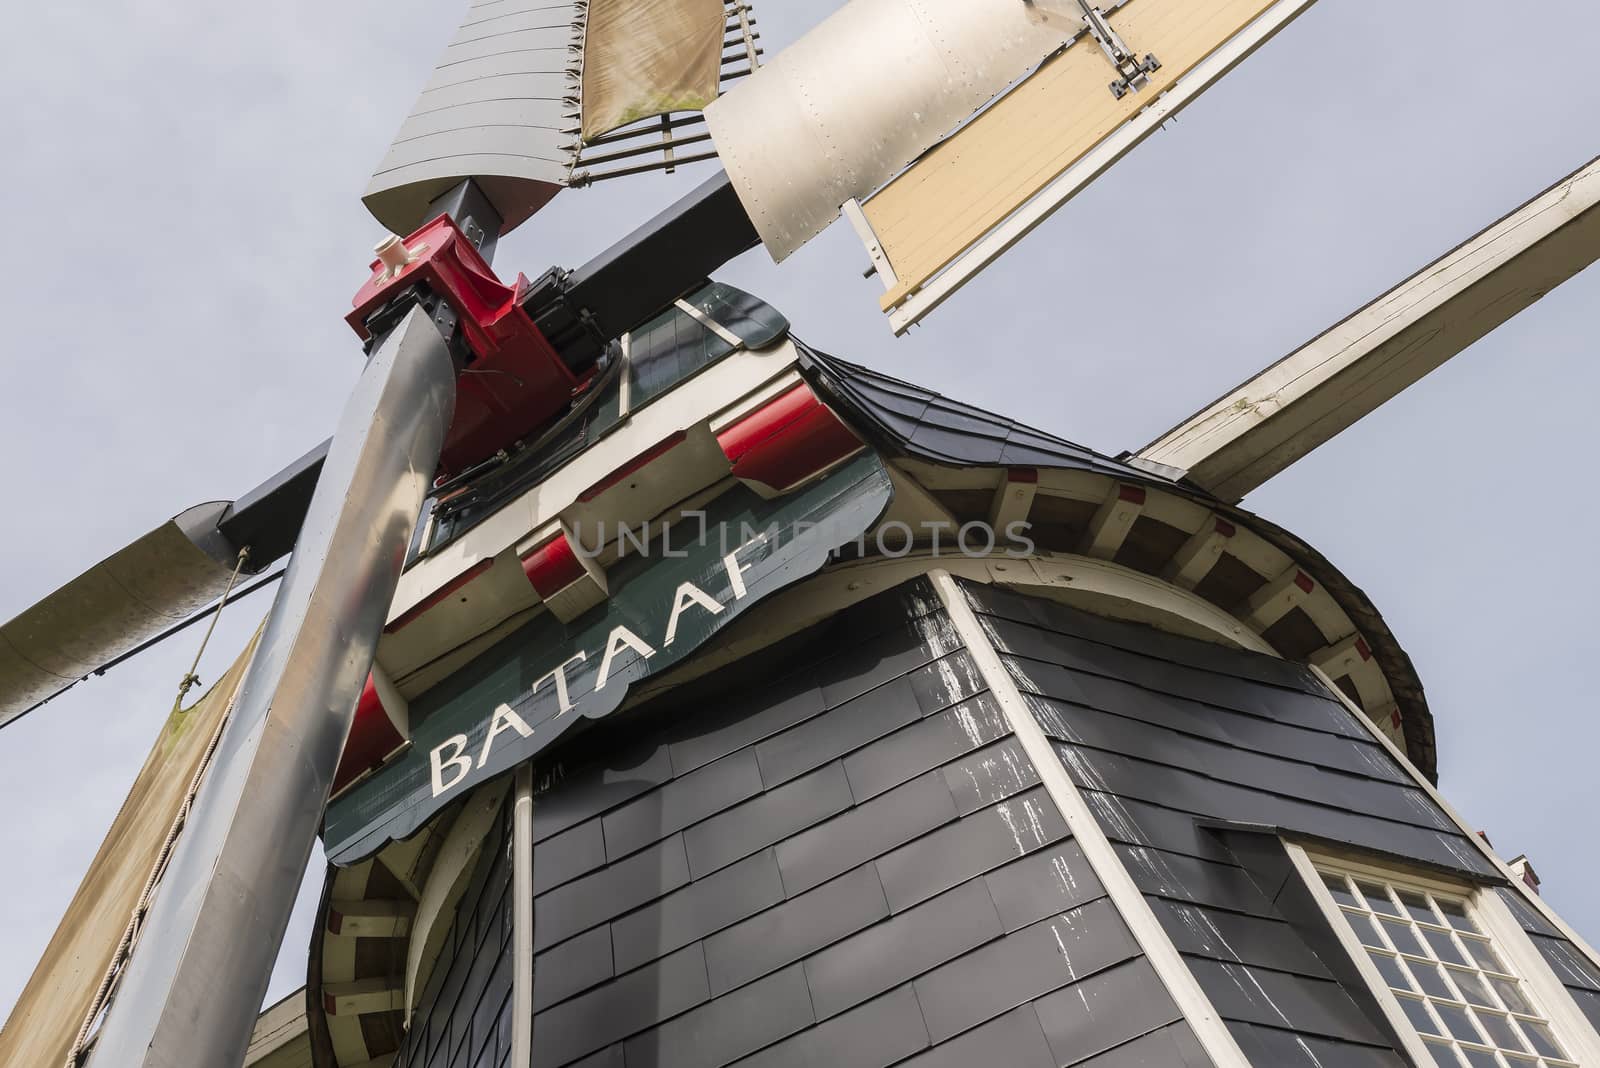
{"x": 972, "y": 181}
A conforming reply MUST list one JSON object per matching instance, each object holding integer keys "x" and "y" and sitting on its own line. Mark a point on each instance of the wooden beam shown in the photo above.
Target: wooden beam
{"x": 1310, "y": 396}
{"x": 360, "y": 996}
{"x": 1013, "y": 500}
{"x": 1275, "y": 600}
{"x": 1195, "y": 559}
{"x": 1112, "y": 521}
{"x": 370, "y": 918}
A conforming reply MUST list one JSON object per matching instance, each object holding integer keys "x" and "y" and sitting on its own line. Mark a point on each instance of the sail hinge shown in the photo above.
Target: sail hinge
{"x": 1133, "y": 73}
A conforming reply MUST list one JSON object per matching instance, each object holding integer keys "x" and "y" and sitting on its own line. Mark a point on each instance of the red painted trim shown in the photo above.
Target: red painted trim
{"x": 1028, "y": 475}
{"x": 373, "y": 736}
{"x": 1131, "y": 494}
{"x": 329, "y": 1004}
{"x": 553, "y": 566}
{"x": 1363, "y": 648}
{"x": 655, "y": 452}
{"x": 1395, "y": 718}
{"x": 1303, "y": 580}
{"x": 335, "y": 921}
{"x": 411, "y": 614}
{"x": 1226, "y": 529}
{"x": 787, "y": 440}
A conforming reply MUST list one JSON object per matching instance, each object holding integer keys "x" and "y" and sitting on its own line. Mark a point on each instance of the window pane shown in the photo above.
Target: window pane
{"x": 1444, "y": 947}
{"x": 1418, "y": 906}
{"x": 1428, "y": 977}
{"x": 1443, "y": 1057}
{"x": 1472, "y": 987}
{"x": 1366, "y": 930}
{"x": 1417, "y": 1013}
{"x": 1500, "y": 1032}
{"x": 1484, "y": 955}
{"x": 1389, "y": 968}
{"x": 1455, "y": 914}
{"x": 1340, "y": 889}
{"x": 1542, "y": 1039}
{"x": 1511, "y": 994}
{"x": 1378, "y": 898}
{"x": 1455, "y": 1018}
{"x": 1479, "y": 1059}
{"x": 1404, "y": 937}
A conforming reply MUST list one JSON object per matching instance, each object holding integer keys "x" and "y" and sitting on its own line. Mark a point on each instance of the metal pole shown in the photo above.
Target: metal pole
{"x": 522, "y": 920}
{"x": 194, "y": 987}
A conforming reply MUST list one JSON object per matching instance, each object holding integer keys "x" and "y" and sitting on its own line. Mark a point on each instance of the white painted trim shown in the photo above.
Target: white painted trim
{"x": 625, "y": 386}
{"x": 851, "y": 210}
{"x": 1533, "y": 900}
{"x": 1572, "y": 1027}
{"x": 1129, "y": 136}
{"x": 734, "y": 376}
{"x": 447, "y": 881}
{"x": 1415, "y": 1048}
{"x": 522, "y": 919}
{"x": 728, "y": 336}
{"x": 1105, "y": 589}
{"x": 1213, "y": 1035}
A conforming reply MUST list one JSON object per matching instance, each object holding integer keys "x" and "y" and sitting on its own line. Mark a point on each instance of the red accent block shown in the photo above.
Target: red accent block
{"x": 373, "y": 739}
{"x": 515, "y": 380}
{"x": 1226, "y": 529}
{"x": 1303, "y": 580}
{"x": 1024, "y": 475}
{"x": 788, "y": 441}
{"x": 553, "y": 566}
{"x": 1131, "y": 494}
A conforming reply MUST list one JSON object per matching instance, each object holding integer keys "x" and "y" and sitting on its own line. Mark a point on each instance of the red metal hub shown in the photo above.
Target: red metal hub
{"x": 514, "y": 380}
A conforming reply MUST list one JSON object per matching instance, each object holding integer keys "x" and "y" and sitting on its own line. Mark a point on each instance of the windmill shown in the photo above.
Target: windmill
{"x": 579, "y": 314}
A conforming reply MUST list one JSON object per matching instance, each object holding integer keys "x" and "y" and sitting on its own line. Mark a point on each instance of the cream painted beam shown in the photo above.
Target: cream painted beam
{"x": 1307, "y": 398}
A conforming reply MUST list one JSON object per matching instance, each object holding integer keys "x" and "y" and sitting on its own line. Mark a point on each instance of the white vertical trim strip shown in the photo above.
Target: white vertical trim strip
{"x": 1533, "y": 900}
{"x": 625, "y": 387}
{"x": 1571, "y": 1026}
{"x": 1197, "y": 1010}
{"x": 710, "y": 324}
{"x": 1415, "y": 1048}
{"x": 522, "y": 920}
{"x": 851, "y": 209}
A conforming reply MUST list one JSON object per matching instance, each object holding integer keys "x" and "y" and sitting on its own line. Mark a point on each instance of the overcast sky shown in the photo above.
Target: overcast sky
{"x": 183, "y": 234}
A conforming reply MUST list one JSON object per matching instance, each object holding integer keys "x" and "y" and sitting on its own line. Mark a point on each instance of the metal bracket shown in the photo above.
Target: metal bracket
{"x": 1135, "y": 73}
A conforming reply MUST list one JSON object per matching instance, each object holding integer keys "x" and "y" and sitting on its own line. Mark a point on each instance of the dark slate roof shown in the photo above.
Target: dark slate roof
{"x": 1173, "y": 740}
{"x": 911, "y": 420}
{"x": 928, "y": 426}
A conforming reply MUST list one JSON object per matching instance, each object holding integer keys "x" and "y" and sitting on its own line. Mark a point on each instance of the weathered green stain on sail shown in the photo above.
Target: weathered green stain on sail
{"x": 533, "y": 687}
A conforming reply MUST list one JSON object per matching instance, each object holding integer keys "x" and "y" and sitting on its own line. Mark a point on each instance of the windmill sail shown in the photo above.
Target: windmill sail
{"x": 649, "y": 57}
{"x": 530, "y": 95}
{"x": 47, "y": 1018}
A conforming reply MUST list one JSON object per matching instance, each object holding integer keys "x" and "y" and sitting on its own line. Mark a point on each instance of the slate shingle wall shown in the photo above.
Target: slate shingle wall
{"x": 463, "y": 1018}
{"x": 1160, "y": 733}
{"x": 835, "y": 855}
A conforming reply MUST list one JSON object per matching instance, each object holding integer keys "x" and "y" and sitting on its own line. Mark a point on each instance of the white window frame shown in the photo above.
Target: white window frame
{"x": 1570, "y": 1025}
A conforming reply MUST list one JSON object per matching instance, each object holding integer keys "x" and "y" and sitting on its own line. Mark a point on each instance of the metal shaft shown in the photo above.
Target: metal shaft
{"x": 193, "y": 989}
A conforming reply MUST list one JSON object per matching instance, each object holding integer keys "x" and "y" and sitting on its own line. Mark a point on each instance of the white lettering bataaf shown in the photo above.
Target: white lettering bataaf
{"x": 449, "y": 762}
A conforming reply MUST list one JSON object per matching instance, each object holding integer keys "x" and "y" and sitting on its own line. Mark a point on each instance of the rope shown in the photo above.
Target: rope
{"x": 191, "y": 679}
{"x": 130, "y": 934}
